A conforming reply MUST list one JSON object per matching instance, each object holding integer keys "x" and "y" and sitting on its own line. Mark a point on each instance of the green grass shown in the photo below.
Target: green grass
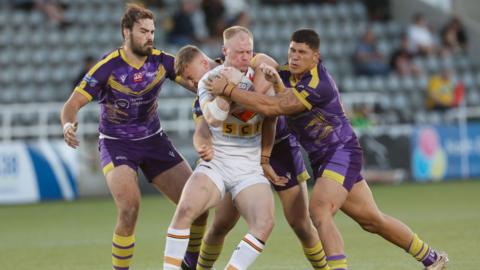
{"x": 77, "y": 235}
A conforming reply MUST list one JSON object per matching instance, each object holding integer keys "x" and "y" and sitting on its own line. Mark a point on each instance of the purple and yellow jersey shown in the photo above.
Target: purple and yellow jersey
{"x": 323, "y": 126}
{"x": 127, "y": 93}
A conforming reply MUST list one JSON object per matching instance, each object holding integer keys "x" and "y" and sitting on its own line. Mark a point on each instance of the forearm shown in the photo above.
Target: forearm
{"x": 261, "y": 58}
{"x": 256, "y": 102}
{"x": 70, "y": 109}
{"x": 216, "y": 111}
{"x": 68, "y": 114}
{"x": 202, "y": 134}
{"x": 268, "y": 136}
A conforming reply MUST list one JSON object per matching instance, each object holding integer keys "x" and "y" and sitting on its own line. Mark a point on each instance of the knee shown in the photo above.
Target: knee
{"x": 128, "y": 214}
{"x": 263, "y": 225}
{"x": 185, "y": 212}
{"x": 300, "y": 225}
{"x": 373, "y": 224}
{"x": 320, "y": 213}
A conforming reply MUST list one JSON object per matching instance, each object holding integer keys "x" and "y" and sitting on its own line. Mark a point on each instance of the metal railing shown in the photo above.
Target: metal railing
{"x": 41, "y": 120}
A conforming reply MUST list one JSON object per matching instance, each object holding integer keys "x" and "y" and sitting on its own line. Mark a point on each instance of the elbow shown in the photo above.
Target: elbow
{"x": 67, "y": 106}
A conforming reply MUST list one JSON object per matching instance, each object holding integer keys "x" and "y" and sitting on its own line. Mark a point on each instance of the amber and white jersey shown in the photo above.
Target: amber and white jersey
{"x": 239, "y": 136}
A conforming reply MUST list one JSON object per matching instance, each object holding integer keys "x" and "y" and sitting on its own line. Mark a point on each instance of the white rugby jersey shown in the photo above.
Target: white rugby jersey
{"x": 240, "y": 134}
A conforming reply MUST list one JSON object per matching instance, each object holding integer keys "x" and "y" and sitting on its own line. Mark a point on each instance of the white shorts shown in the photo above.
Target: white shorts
{"x": 232, "y": 176}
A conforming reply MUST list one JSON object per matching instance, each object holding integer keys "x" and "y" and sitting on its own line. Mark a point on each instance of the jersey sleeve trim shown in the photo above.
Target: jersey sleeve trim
{"x": 178, "y": 78}
{"x": 315, "y": 80}
{"x": 254, "y": 59}
{"x": 197, "y": 118}
{"x": 83, "y": 92}
{"x": 81, "y": 87}
{"x": 302, "y": 97}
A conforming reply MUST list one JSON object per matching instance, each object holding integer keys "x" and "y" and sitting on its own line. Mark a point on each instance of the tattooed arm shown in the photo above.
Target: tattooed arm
{"x": 284, "y": 103}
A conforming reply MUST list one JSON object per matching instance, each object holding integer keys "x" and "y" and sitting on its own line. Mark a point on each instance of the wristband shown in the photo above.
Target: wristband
{"x": 68, "y": 125}
{"x": 228, "y": 89}
{"x": 264, "y": 159}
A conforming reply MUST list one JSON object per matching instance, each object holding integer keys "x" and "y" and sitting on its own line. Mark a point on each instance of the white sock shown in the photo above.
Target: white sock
{"x": 175, "y": 248}
{"x": 245, "y": 253}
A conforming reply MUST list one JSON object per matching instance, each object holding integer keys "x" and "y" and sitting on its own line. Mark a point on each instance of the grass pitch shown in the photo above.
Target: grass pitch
{"x": 77, "y": 235}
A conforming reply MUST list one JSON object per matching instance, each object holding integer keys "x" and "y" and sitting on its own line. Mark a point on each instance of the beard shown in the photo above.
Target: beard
{"x": 141, "y": 50}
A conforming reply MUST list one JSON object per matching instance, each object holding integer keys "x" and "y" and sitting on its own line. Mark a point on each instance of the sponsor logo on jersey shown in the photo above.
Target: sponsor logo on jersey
{"x": 138, "y": 77}
{"x": 92, "y": 82}
{"x": 244, "y": 115}
{"x": 151, "y": 74}
{"x": 123, "y": 78}
{"x": 122, "y": 103}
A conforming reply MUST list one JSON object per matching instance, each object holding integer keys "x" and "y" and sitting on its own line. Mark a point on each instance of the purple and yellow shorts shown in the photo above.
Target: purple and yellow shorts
{"x": 153, "y": 155}
{"x": 342, "y": 164}
{"x": 287, "y": 160}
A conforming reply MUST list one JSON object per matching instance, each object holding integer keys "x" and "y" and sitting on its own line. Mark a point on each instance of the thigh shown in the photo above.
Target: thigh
{"x": 327, "y": 196}
{"x": 200, "y": 193}
{"x": 172, "y": 181}
{"x": 360, "y": 204}
{"x": 226, "y": 214}
{"x": 295, "y": 202}
{"x": 122, "y": 181}
{"x": 255, "y": 202}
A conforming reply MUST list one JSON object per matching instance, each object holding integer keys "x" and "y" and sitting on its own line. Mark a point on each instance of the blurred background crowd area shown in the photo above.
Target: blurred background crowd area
{"x": 404, "y": 70}
{"x": 398, "y": 64}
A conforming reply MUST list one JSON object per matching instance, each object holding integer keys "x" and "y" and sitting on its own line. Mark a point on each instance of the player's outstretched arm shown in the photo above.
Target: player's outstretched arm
{"x": 68, "y": 116}
{"x": 268, "y": 139}
{"x": 202, "y": 140}
{"x": 285, "y": 103}
{"x": 261, "y": 58}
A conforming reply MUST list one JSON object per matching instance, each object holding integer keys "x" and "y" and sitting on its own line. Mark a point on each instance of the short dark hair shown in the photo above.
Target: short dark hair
{"x": 307, "y": 36}
{"x": 133, "y": 13}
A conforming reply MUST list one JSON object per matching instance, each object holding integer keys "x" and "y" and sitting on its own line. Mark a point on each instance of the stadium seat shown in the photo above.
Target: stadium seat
{"x": 378, "y": 84}
{"x": 362, "y": 84}
{"x": 421, "y": 82}
{"x": 347, "y": 84}
{"x": 6, "y": 95}
{"x": 472, "y": 97}
{"x": 408, "y": 84}
{"x": 393, "y": 83}
{"x": 468, "y": 79}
